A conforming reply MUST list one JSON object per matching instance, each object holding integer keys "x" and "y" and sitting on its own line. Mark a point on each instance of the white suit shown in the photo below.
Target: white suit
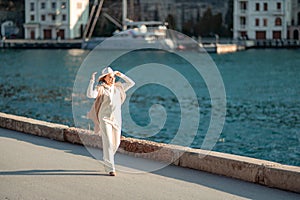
{"x": 109, "y": 116}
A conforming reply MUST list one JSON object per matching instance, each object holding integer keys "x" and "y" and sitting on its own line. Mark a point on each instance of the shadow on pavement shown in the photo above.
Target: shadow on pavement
{"x": 53, "y": 172}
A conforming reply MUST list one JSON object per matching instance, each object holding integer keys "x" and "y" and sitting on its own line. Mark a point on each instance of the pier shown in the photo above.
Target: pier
{"x": 225, "y": 46}
{"x": 222, "y": 48}
{"x": 78, "y": 44}
{"x": 276, "y": 44}
{"x": 40, "y": 44}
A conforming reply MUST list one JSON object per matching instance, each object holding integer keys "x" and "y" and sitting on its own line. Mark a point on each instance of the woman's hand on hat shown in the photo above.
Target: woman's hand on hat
{"x": 93, "y": 76}
{"x": 117, "y": 73}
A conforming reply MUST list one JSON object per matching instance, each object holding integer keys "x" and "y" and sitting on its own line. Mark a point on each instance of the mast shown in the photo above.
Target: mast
{"x": 93, "y": 18}
{"x": 131, "y": 10}
{"x": 124, "y": 16}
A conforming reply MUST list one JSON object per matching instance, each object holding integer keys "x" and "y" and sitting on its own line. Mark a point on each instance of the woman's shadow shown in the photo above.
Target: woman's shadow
{"x": 45, "y": 142}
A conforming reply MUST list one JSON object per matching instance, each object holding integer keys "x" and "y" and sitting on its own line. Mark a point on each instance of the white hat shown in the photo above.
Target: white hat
{"x": 105, "y": 71}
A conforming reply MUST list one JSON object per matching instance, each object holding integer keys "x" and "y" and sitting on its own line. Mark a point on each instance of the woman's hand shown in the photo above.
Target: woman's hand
{"x": 93, "y": 76}
{"x": 117, "y": 73}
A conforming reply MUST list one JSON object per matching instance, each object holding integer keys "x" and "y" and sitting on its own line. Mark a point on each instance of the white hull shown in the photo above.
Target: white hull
{"x": 127, "y": 44}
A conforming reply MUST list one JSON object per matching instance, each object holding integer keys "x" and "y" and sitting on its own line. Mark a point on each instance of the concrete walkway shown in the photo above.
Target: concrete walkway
{"x": 38, "y": 168}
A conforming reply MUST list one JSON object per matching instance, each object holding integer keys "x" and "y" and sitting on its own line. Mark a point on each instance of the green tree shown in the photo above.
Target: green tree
{"x": 206, "y": 23}
{"x": 216, "y": 26}
{"x": 229, "y": 20}
{"x": 210, "y": 25}
{"x": 171, "y": 21}
{"x": 188, "y": 28}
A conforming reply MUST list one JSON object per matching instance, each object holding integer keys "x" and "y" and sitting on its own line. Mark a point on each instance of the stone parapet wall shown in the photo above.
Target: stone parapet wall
{"x": 244, "y": 168}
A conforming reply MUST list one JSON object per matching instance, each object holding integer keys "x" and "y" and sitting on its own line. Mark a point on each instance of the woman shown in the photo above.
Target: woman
{"x": 106, "y": 112}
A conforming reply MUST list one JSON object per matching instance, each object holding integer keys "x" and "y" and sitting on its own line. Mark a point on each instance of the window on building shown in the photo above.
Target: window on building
{"x": 32, "y": 34}
{"x": 53, "y": 5}
{"x": 278, "y": 6}
{"x": 296, "y": 35}
{"x": 47, "y": 34}
{"x": 243, "y": 5}
{"x": 265, "y": 6}
{"x": 43, "y": 18}
{"x": 278, "y": 21}
{"x": 265, "y": 22}
{"x": 63, "y": 5}
{"x": 256, "y": 22}
{"x": 43, "y": 5}
{"x": 53, "y": 17}
{"x": 79, "y": 5}
{"x": 243, "y": 34}
{"x": 243, "y": 22}
{"x": 32, "y": 18}
{"x": 276, "y": 34}
{"x": 32, "y": 6}
{"x": 260, "y": 35}
{"x": 61, "y": 34}
{"x": 64, "y": 17}
{"x": 257, "y": 7}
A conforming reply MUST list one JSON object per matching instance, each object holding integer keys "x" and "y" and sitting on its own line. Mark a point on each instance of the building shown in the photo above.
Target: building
{"x": 177, "y": 12}
{"x": 182, "y": 10}
{"x": 262, "y": 19}
{"x": 55, "y": 19}
{"x": 9, "y": 29}
{"x": 12, "y": 11}
{"x": 294, "y": 29}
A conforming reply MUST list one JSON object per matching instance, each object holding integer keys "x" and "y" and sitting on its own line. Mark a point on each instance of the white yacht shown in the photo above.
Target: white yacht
{"x": 142, "y": 34}
{"x": 134, "y": 35}
{"x": 151, "y": 34}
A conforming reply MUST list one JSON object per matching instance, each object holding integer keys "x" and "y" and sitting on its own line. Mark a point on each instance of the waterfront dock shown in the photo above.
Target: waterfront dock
{"x": 210, "y": 45}
{"x": 78, "y": 44}
{"x": 196, "y": 175}
{"x": 276, "y": 44}
{"x": 40, "y": 44}
{"x": 222, "y": 48}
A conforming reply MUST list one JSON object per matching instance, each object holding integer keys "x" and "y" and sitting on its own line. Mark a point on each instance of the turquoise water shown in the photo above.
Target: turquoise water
{"x": 262, "y": 91}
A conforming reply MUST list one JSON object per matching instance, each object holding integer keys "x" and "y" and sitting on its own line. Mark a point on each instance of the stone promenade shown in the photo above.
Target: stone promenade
{"x": 33, "y": 167}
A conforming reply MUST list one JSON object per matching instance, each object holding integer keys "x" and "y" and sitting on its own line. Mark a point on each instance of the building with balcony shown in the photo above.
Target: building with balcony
{"x": 262, "y": 19}
{"x": 55, "y": 19}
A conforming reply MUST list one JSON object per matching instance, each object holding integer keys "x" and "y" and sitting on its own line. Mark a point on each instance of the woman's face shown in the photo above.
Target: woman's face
{"x": 109, "y": 79}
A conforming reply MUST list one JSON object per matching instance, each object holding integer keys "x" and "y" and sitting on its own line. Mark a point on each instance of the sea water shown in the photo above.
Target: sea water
{"x": 262, "y": 93}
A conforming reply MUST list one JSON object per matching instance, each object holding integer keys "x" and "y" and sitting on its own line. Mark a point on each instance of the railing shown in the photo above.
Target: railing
{"x": 243, "y": 11}
{"x": 54, "y": 12}
{"x": 52, "y": 23}
{"x": 278, "y": 12}
{"x": 242, "y": 26}
{"x": 277, "y": 43}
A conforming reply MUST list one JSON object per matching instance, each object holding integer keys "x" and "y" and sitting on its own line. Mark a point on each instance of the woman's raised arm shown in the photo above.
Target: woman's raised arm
{"x": 129, "y": 83}
{"x": 91, "y": 92}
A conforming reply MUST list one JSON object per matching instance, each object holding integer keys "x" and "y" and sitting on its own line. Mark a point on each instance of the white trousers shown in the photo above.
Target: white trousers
{"x": 111, "y": 141}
